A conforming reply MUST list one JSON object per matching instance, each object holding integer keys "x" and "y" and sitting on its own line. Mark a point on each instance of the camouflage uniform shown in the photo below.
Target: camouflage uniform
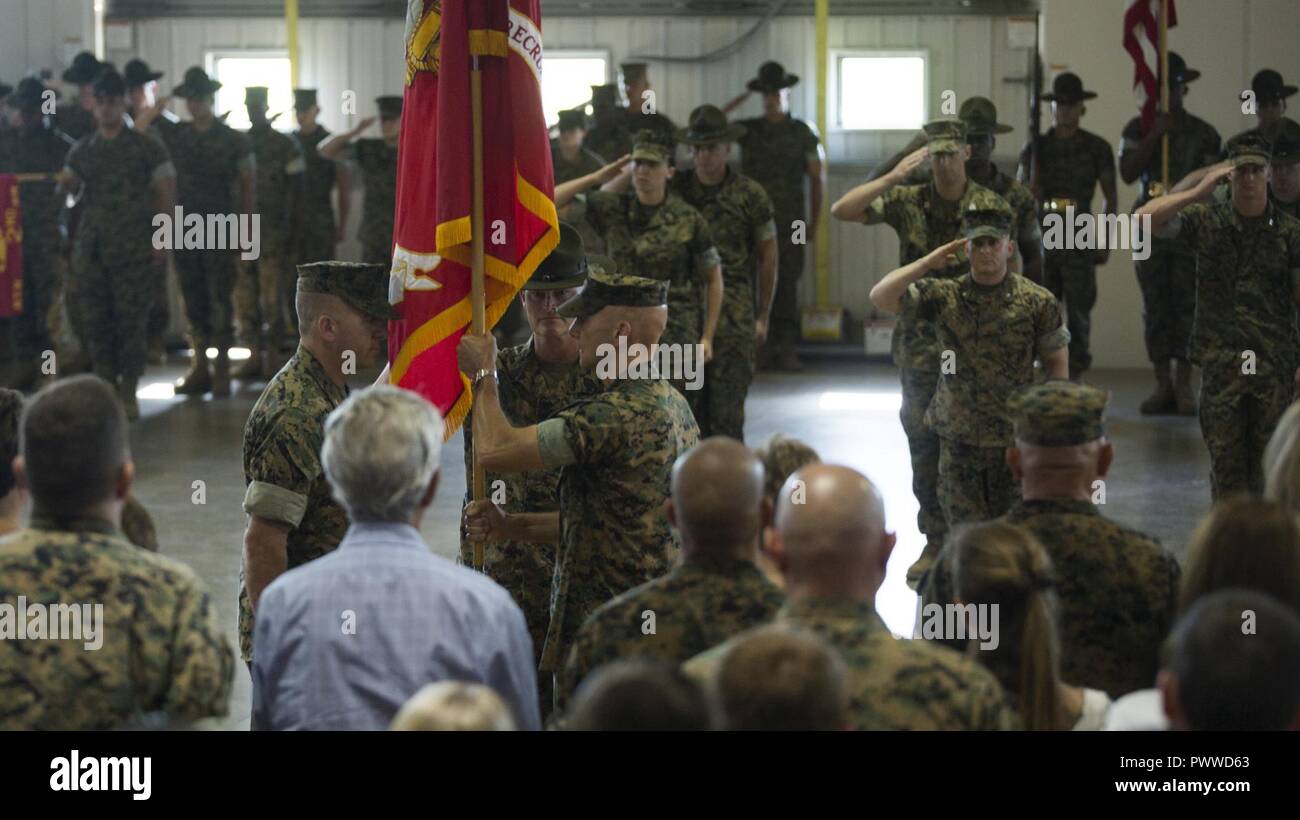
{"x": 113, "y": 274}
{"x": 575, "y": 212}
{"x": 162, "y": 650}
{"x": 699, "y": 604}
{"x": 258, "y": 293}
{"x": 739, "y": 215}
{"x": 893, "y": 684}
{"x": 1117, "y": 590}
{"x": 378, "y": 163}
{"x": 995, "y": 333}
{"x": 529, "y": 391}
{"x": 609, "y": 135}
{"x": 314, "y": 224}
{"x": 776, "y": 155}
{"x": 670, "y": 242}
{"x": 208, "y": 166}
{"x": 37, "y": 149}
{"x": 1069, "y": 169}
{"x": 1246, "y": 272}
{"x": 613, "y": 532}
{"x": 282, "y": 469}
{"x": 924, "y": 221}
{"x": 1167, "y": 277}
{"x": 75, "y": 121}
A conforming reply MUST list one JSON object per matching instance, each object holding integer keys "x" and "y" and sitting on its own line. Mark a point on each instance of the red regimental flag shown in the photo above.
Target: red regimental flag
{"x": 11, "y": 248}
{"x": 1142, "y": 42}
{"x": 430, "y": 279}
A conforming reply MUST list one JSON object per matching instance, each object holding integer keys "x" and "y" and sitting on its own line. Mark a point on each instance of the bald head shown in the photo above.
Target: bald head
{"x": 830, "y": 522}
{"x": 717, "y": 497}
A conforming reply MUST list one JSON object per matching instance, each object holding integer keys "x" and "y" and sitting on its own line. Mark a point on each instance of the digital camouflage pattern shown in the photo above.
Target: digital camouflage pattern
{"x": 1058, "y": 413}
{"x": 974, "y": 483}
{"x": 614, "y": 535}
{"x": 113, "y": 277}
{"x": 162, "y": 649}
{"x": 316, "y": 228}
{"x": 776, "y": 155}
{"x": 73, "y": 120}
{"x": 1069, "y": 170}
{"x": 697, "y": 605}
{"x": 37, "y": 149}
{"x": 1245, "y": 335}
{"x": 280, "y": 166}
{"x": 994, "y": 334}
{"x": 1291, "y": 209}
{"x": 378, "y": 163}
{"x": 1117, "y": 590}
{"x": 282, "y": 469}
{"x": 893, "y": 684}
{"x": 670, "y": 242}
{"x": 208, "y": 166}
{"x": 530, "y": 391}
{"x": 1167, "y": 278}
{"x": 739, "y": 215}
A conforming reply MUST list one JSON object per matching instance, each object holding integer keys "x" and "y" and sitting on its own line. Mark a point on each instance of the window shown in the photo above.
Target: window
{"x": 238, "y": 69}
{"x": 567, "y": 78}
{"x": 881, "y": 90}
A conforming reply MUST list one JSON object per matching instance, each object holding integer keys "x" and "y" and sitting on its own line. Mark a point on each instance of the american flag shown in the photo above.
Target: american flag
{"x": 1142, "y": 42}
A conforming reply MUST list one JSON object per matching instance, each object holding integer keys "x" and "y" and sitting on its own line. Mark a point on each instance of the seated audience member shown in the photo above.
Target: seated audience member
{"x": 781, "y": 456}
{"x": 1244, "y": 543}
{"x": 780, "y": 679}
{"x": 13, "y": 499}
{"x": 343, "y": 641}
{"x": 1234, "y": 665}
{"x": 640, "y": 695}
{"x": 1281, "y": 462}
{"x": 1116, "y": 586}
{"x": 449, "y": 706}
{"x": 150, "y": 641}
{"x": 714, "y": 592}
{"x": 832, "y": 547}
{"x": 1001, "y": 565}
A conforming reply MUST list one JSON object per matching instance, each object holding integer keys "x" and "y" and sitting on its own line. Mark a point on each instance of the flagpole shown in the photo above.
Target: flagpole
{"x": 1164, "y": 92}
{"x": 478, "y": 319}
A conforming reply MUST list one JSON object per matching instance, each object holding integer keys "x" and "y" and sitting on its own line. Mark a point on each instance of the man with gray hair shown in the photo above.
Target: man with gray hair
{"x": 344, "y": 641}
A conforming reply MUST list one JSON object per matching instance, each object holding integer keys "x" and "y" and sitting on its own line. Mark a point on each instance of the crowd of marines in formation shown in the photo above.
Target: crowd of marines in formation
{"x": 94, "y": 275}
{"x": 593, "y": 519}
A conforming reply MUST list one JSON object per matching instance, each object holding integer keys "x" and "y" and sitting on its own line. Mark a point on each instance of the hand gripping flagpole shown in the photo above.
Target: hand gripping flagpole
{"x": 478, "y": 319}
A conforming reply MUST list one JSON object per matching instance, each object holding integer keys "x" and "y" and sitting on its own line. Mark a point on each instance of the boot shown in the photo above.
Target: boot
{"x": 221, "y": 374}
{"x": 199, "y": 379}
{"x": 251, "y": 369}
{"x": 126, "y": 392}
{"x": 1183, "y": 395}
{"x": 917, "y": 572}
{"x": 1162, "y": 402}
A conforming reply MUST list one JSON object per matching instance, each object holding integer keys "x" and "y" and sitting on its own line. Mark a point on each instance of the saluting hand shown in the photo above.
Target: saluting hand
{"x": 365, "y": 123}
{"x": 611, "y": 171}
{"x": 1205, "y": 188}
{"x": 909, "y": 163}
{"x": 484, "y": 521}
{"x": 945, "y": 255}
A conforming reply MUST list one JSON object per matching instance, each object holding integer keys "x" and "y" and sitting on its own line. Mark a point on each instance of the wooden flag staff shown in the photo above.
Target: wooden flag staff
{"x": 478, "y": 320}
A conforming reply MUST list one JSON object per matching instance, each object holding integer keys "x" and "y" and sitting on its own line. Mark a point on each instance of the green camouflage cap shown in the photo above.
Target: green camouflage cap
{"x": 1286, "y": 145}
{"x": 1249, "y": 149}
{"x": 987, "y": 216}
{"x": 362, "y": 286}
{"x": 945, "y": 135}
{"x": 1058, "y": 413}
{"x": 652, "y": 145}
{"x": 606, "y": 287}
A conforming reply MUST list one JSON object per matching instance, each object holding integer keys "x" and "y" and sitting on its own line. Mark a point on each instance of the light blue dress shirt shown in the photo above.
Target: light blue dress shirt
{"x": 343, "y": 641}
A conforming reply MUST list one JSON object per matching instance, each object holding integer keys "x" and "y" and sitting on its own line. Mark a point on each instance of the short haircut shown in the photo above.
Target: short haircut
{"x": 779, "y": 679}
{"x": 74, "y": 444}
{"x": 381, "y": 450}
{"x": 450, "y": 706}
{"x": 640, "y": 695}
{"x": 11, "y": 410}
{"x": 1236, "y": 657}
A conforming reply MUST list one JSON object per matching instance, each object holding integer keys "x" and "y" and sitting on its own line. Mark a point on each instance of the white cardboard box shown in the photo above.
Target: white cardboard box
{"x": 876, "y": 336}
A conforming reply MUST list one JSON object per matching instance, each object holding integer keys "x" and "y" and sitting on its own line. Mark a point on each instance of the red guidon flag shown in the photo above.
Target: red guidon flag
{"x": 1142, "y": 42}
{"x": 11, "y": 248}
{"x": 430, "y": 279}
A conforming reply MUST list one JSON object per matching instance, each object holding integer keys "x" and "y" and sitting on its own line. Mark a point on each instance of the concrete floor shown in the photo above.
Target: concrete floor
{"x": 845, "y": 408}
